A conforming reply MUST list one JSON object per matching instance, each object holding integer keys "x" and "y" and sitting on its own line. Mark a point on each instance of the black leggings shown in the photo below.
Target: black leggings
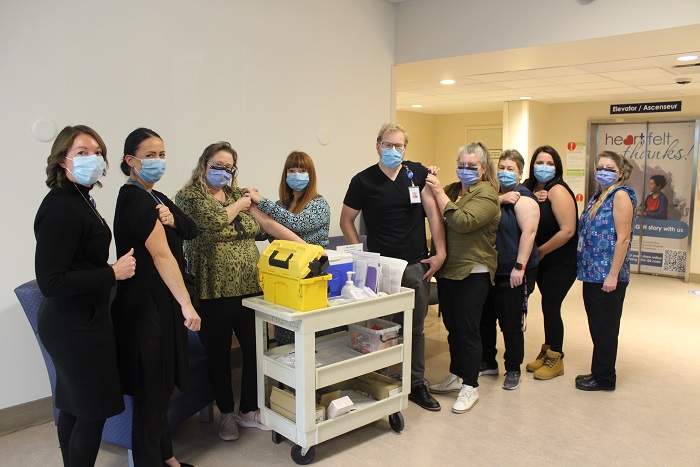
{"x": 554, "y": 282}
{"x": 221, "y": 317}
{"x": 79, "y": 439}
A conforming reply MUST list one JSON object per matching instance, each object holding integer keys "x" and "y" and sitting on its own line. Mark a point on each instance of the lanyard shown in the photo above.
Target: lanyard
{"x": 409, "y": 174}
{"x": 134, "y": 182}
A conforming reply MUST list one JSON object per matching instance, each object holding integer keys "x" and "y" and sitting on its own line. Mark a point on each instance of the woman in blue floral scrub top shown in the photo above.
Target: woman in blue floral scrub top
{"x": 605, "y": 233}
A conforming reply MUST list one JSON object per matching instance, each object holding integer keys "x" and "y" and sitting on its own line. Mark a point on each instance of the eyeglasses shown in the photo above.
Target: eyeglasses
{"x": 387, "y": 145}
{"x": 468, "y": 167}
{"x": 606, "y": 169}
{"x": 230, "y": 170}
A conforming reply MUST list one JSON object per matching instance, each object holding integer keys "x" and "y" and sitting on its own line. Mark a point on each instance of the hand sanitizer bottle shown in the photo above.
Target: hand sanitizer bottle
{"x": 346, "y": 292}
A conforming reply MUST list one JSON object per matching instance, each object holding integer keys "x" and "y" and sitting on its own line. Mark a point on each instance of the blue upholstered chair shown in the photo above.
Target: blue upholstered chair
{"x": 117, "y": 430}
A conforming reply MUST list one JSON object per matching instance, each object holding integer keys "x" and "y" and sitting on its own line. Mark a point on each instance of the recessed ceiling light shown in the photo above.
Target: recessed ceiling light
{"x": 447, "y": 81}
{"x": 417, "y": 106}
{"x": 687, "y": 58}
{"x": 525, "y": 98}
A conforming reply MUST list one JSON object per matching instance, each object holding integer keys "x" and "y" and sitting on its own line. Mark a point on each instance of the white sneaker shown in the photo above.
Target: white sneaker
{"x": 452, "y": 383}
{"x": 228, "y": 428}
{"x": 468, "y": 396}
{"x": 252, "y": 420}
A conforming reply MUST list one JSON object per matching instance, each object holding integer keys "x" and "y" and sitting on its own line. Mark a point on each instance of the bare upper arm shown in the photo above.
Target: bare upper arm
{"x": 564, "y": 208}
{"x": 623, "y": 213}
{"x": 348, "y": 214}
{"x": 157, "y": 243}
{"x": 527, "y": 213}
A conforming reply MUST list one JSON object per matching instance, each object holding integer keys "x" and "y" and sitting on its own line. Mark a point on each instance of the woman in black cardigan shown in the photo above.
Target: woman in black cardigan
{"x": 72, "y": 247}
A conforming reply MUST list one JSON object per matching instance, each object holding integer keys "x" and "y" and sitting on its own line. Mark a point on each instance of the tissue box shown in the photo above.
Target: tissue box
{"x": 365, "y": 339}
{"x": 339, "y": 407}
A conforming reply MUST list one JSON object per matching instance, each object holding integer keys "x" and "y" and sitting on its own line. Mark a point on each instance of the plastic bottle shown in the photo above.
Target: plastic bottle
{"x": 347, "y": 289}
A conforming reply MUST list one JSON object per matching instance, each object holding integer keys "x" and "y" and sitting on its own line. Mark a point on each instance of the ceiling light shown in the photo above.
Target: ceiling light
{"x": 687, "y": 58}
{"x": 525, "y": 98}
{"x": 417, "y": 106}
{"x": 447, "y": 81}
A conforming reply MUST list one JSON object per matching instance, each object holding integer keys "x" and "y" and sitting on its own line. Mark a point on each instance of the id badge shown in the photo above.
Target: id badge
{"x": 414, "y": 194}
{"x": 579, "y": 247}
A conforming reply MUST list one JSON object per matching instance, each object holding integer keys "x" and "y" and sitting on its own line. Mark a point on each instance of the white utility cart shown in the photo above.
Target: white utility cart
{"x": 306, "y": 377}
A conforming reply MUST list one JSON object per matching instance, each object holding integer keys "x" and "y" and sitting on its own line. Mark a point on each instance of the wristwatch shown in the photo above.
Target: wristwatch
{"x": 518, "y": 266}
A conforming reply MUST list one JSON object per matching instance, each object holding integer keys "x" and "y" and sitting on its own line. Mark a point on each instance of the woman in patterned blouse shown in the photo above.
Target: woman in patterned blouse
{"x": 223, "y": 260}
{"x": 605, "y": 233}
{"x": 300, "y": 208}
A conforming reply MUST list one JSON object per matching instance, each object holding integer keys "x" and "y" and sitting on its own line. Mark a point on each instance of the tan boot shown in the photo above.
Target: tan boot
{"x": 553, "y": 366}
{"x": 539, "y": 361}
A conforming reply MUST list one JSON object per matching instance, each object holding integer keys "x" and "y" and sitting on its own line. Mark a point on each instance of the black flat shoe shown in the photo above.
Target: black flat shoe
{"x": 592, "y": 385}
{"x": 182, "y": 464}
{"x": 587, "y": 377}
{"x": 420, "y": 395}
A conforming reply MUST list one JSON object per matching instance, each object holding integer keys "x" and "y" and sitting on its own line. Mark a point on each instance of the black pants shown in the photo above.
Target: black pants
{"x": 79, "y": 439}
{"x": 604, "y": 310}
{"x": 554, "y": 282}
{"x": 461, "y": 303}
{"x": 505, "y": 304}
{"x": 220, "y": 318}
{"x": 150, "y": 431}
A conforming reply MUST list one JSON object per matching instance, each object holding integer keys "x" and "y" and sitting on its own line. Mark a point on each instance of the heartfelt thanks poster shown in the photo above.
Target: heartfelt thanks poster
{"x": 663, "y": 158}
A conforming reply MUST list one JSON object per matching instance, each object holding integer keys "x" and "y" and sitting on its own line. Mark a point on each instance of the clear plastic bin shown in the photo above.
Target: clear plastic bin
{"x": 365, "y": 339}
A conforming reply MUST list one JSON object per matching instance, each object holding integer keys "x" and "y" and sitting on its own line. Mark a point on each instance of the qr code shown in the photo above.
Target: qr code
{"x": 674, "y": 260}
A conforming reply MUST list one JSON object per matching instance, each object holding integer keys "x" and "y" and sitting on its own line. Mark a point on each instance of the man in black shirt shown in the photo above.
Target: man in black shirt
{"x": 394, "y": 204}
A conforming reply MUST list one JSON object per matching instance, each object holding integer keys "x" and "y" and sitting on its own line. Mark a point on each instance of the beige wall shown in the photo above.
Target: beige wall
{"x": 421, "y": 131}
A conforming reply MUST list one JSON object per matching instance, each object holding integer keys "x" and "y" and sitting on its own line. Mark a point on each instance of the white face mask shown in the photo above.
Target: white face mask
{"x": 87, "y": 169}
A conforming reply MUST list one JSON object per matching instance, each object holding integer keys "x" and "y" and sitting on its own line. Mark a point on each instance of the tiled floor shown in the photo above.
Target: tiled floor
{"x": 653, "y": 418}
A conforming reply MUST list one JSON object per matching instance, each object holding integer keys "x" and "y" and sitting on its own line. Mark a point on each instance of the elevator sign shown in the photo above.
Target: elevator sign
{"x": 649, "y": 107}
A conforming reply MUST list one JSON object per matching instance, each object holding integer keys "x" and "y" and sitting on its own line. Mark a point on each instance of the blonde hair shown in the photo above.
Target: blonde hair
{"x": 625, "y": 169}
{"x": 392, "y": 128}
{"x": 198, "y": 179}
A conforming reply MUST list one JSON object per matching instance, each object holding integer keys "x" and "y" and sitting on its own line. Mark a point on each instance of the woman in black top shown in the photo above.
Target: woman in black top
{"x": 556, "y": 244}
{"x": 72, "y": 248}
{"x": 516, "y": 271}
{"x": 151, "y": 312}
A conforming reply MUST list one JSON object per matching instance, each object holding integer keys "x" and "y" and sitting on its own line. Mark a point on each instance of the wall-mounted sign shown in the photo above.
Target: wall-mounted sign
{"x": 649, "y": 107}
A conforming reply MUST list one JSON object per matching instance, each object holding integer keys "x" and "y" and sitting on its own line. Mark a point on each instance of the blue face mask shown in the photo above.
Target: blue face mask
{"x": 88, "y": 169}
{"x": 152, "y": 170}
{"x": 391, "y": 157}
{"x": 605, "y": 178}
{"x": 468, "y": 176}
{"x": 218, "y": 178}
{"x": 544, "y": 173}
{"x": 298, "y": 181}
{"x": 507, "y": 179}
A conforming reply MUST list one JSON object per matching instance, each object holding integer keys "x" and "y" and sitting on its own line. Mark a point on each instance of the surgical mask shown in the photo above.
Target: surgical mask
{"x": 468, "y": 176}
{"x": 544, "y": 173}
{"x": 391, "y": 157}
{"x": 218, "y": 178}
{"x": 507, "y": 178}
{"x": 88, "y": 169}
{"x": 152, "y": 170}
{"x": 605, "y": 178}
{"x": 298, "y": 181}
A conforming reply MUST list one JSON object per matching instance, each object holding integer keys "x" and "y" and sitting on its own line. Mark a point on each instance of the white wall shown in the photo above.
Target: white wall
{"x": 265, "y": 75}
{"x": 430, "y": 29}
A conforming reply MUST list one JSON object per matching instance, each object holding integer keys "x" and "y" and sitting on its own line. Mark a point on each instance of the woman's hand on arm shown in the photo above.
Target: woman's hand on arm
{"x": 169, "y": 270}
{"x": 241, "y": 204}
{"x": 623, "y": 213}
{"x": 527, "y": 213}
{"x": 511, "y": 197}
{"x": 564, "y": 209}
{"x": 125, "y": 267}
{"x": 441, "y": 198}
{"x": 254, "y": 194}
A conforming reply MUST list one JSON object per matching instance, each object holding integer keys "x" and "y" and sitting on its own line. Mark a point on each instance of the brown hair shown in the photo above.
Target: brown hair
{"x": 55, "y": 174}
{"x": 298, "y": 160}
{"x": 198, "y": 179}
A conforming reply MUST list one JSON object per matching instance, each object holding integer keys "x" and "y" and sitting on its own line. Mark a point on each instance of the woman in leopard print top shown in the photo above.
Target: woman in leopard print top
{"x": 223, "y": 259}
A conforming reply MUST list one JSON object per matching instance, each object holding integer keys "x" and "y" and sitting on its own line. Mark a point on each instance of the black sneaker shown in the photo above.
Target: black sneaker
{"x": 488, "y": 368}
{"x": 421, "y": 396}
{"x": 512, "y": 380}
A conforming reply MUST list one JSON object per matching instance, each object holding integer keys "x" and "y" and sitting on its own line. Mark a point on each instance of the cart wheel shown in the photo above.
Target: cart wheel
{"x": 303, "y": 459}
{"x": 396, "y": 422}
{"x": 276, "y": 437}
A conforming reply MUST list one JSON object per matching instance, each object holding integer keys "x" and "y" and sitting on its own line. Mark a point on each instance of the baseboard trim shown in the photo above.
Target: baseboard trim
{"x": 19, "y": 417}
{"x": 694, "y": 277}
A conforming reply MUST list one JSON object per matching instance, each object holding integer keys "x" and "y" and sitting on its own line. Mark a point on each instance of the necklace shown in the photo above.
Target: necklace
{"x": 92, "y": 206}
